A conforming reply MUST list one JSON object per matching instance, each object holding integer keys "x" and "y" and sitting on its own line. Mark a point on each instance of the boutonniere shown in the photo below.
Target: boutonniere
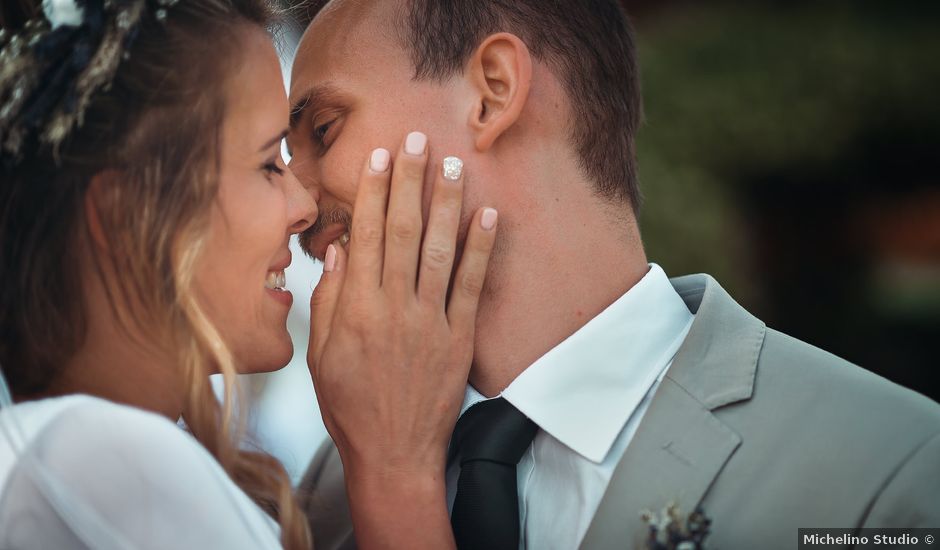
{"x": 670, "y": 530}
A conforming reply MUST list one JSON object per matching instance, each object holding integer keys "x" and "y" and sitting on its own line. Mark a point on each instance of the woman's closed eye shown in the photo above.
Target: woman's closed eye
{"x": 271, "y": 169}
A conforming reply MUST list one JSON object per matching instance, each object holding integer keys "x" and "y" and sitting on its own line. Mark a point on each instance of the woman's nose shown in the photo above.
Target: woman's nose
{"x": 301, "y": 204}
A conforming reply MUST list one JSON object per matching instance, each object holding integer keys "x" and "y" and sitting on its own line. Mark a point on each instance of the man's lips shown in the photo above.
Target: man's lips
{"x": 317, "y": 244}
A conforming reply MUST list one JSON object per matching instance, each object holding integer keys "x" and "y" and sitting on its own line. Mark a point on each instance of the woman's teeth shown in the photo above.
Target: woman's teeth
{"x": 276, "y": 280}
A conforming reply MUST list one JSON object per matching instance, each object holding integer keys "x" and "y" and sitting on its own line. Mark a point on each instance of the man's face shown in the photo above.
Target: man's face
{"x": 352, "y": 91}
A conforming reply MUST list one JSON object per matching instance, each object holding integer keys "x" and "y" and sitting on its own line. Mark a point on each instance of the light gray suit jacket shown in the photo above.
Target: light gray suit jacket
{"x": 766, "y": 433}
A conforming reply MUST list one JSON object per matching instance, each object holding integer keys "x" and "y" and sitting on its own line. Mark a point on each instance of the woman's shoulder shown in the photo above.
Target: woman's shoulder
{"x": 33, "y": 417}
{"x": 133, "y": 470}
{"x": 90, "y": 425}
{"x": 73, "y": 424}
{"x": 89, "y": 437}
{"x": 82, "y": 438}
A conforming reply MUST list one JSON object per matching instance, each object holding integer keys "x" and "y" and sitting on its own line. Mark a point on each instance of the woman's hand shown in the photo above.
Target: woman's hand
{"x": 390, "y": 349}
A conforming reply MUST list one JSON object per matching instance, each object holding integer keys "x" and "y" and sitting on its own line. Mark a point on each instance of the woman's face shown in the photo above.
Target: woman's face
{"x": 240, "y": 277}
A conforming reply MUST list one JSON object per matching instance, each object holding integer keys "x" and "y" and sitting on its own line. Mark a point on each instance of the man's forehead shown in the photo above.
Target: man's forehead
{"x": 344, "y": 37}
{"x": 345, "y": 24}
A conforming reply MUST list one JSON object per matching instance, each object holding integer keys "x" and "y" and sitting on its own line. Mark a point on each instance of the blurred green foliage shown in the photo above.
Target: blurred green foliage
{"x": 735, "y": 89}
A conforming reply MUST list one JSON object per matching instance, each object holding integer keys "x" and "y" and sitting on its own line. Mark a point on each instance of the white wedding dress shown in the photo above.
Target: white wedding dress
{"x": 82, "y": 472}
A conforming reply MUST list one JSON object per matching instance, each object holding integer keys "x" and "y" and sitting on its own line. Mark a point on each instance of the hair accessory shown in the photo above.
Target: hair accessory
{"x": 51, "y": 68}
{"x": 62, "y": 12}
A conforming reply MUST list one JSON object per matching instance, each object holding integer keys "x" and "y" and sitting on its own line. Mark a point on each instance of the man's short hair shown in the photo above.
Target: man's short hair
{"x": 588, "y": 45}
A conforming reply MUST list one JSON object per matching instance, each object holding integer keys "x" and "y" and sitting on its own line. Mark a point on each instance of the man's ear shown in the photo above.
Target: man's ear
{"x": 500, "y": 71}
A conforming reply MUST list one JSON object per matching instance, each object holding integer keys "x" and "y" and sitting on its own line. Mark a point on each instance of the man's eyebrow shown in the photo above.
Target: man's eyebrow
{"x": 277, "y": 139}
{"x": 312, "y": 98}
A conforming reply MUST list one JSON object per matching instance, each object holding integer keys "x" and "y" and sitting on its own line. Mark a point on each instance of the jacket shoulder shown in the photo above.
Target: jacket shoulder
{"x": 826, "y": 442}
{"x": 820, "y": 380}
{"x": 826, "y": 423}
{"x": 322, "y": 495}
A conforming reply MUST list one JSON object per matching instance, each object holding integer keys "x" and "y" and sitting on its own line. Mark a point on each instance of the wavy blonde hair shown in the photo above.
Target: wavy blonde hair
{"x": 157, "y": 127}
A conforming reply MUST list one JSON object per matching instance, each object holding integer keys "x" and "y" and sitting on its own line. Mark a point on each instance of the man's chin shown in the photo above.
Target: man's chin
{"x": 306, "y": 244}
{"x": 314, "y": 244}
{"x": 332, "y": 224}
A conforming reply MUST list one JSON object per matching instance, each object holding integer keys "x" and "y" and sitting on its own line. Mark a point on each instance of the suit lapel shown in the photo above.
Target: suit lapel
{"x": 676, "y": 453}
{"x": 680, "y": 446}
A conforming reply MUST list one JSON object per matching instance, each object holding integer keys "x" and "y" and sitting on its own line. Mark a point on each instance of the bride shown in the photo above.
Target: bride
{"x": 145, "y": 213}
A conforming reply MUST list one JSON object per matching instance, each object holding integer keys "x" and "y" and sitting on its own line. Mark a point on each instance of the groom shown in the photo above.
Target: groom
{"x": 619, "y": 390}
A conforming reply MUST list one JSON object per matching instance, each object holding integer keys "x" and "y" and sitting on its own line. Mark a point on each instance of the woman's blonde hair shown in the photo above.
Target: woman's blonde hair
{"x": 156, "y": 132}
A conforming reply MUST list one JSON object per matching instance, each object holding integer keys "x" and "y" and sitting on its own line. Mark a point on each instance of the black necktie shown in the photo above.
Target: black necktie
{"x": 488, "y": 442}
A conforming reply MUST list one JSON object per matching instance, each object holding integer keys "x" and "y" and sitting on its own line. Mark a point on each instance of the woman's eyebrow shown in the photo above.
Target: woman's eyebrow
{"x": 271, "y": 142}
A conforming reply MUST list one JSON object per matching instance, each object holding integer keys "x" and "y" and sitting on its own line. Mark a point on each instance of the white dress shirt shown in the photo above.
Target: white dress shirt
{"x": 588, "y": 395}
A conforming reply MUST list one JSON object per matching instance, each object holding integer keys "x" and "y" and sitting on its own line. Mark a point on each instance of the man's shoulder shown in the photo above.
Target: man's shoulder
{"x": 822, "y": 441}
{"x": 820, "y": 380}
{"x": 829, "y": 427}
{"x": 787, "y": 398}
{"x": 322, "y": 495}
{"x": 731, "y": 356}
{"x": 829, "y": 442}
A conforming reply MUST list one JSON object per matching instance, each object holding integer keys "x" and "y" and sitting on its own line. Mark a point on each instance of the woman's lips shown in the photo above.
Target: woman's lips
{"x": 282, "y": 296}
{"x": 276, "y": 280}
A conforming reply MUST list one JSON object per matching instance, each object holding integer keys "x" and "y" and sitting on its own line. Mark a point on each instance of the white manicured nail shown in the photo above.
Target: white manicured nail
{"x": 453, "y": 167}
{"x": 488, "y": 219}
{"x": 379, "y": 160}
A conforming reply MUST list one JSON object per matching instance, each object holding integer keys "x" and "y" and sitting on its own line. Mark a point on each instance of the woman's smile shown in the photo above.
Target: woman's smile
{"x": 274, "y": 287}
{"x": 275, "y": 282}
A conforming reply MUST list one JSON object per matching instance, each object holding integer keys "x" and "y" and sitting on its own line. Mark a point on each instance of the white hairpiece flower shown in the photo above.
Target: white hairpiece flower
{"x": 63, "y": 13}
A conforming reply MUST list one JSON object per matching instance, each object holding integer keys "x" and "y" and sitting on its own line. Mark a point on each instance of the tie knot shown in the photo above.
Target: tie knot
{"x": 492, "y": 430}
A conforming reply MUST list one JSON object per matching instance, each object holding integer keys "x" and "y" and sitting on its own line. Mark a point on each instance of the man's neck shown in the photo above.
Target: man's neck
{"x": 552, "y": 279}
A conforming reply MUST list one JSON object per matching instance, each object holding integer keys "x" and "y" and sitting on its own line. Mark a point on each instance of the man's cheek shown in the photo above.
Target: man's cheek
{"x": 341, "y": 179}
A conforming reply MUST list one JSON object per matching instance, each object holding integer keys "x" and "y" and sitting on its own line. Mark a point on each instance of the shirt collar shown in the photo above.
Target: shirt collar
{"x": 584, "y": 390}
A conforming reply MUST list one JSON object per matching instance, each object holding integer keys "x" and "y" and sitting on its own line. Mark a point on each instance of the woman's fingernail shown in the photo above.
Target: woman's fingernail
{"x": 415, "y": 143}
{"x": 453, "y": 167}
{"x": 329, "y": 259}
{"x": 488, "y": 219}
{"x": 379, "y": 160}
